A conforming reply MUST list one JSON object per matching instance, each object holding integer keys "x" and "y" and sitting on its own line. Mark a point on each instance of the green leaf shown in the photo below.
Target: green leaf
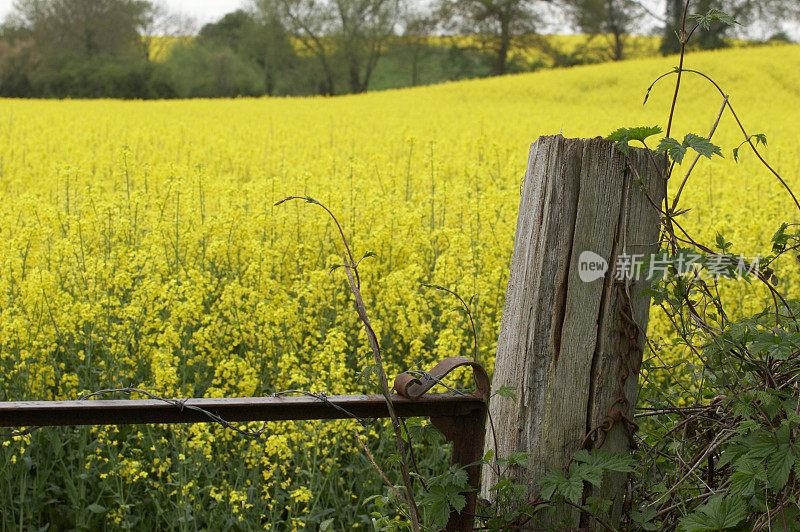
{"x": 760, "y": 138}
{"x": 701, "y": 145}
{"x": 625, "y": 135}
{"x": 571, "y": 488}
{"x": 606, "y": 460}
{"x": 696, "y": 522}
{"x": 749, "y": 476}
{"x": 367, "y": 255}
{"x": 432, "y": 435}
{"x": 598, "y": 505}
{"x": 458, "y": 478}
{"x": 582, "y": 456}
{"x": 614, "y": 461}
{"x": 727, "y": 456}
{"x": 761, "y": 445}
{"x": 644, "y": 518}
{"x": 722, "y": 243}
{"x": 518, "y": 459}
{"x": 782, "y": 350}
{"x": 677, "y": 150}
{"x": 506, "y": 392}
{"x": 674, "y": 149}
{"x": 440, "y": 511}
{"x": 717, "y": 514}
{"x": 96, "y": 508}
{"x": 441, "y": 497}
{"x": 501, "y": 485}
{"x": 550, "y": 481}
{"x": 713, "y": 15}
{"x": 640, "y": 133}
{"x": 325, "y": 525}
{"x": 780, "y": 239}
{"x": 445, "y": 493}
{"x": 779, "y": 466}
{"x": 591, "y": 474}
{"x": 457, "y": 501}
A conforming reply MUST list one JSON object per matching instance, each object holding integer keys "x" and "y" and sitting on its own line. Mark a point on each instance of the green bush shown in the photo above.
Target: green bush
{"x": 201, "y": 71}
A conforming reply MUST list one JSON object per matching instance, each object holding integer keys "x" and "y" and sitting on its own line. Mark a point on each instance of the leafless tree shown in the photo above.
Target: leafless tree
{"x": 611, "y": 20}
{"x": 159, "y": 22}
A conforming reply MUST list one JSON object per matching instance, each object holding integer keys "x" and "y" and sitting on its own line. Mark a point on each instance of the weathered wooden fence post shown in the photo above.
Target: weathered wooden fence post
{"x": 572, "y": 333}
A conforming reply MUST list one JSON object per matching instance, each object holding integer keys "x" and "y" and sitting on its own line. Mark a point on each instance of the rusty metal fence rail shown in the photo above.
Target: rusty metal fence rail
{"x": 460, "y": 417}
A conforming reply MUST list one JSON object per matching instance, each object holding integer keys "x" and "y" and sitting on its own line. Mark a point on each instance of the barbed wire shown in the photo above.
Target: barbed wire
{"x": 323, "y": 396}
{"x": 212, "y": 417}
{"x": 427, "y": 375}
{"x": 182, "y": 404}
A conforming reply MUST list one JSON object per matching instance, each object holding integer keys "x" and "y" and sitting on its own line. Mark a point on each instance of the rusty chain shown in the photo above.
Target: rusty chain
{"x": 628, "y": 364}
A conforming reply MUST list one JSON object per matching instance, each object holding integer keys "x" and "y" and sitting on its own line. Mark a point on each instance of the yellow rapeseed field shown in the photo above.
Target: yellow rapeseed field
{"x": 139, "y": 246}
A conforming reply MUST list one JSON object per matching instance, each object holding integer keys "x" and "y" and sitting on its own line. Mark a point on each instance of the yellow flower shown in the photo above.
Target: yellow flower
{"x": 302, "y": 494}
{"x": 164, "y": 263}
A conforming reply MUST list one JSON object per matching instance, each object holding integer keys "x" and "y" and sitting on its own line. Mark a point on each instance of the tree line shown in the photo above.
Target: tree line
{"x": 107, "y": 48}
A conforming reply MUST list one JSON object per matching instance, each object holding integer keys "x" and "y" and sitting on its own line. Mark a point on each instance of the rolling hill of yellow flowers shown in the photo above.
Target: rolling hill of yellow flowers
{"x": 139, "y": 246}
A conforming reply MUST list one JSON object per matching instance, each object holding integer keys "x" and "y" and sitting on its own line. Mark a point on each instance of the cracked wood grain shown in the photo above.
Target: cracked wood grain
{"x": 559, "y": 337}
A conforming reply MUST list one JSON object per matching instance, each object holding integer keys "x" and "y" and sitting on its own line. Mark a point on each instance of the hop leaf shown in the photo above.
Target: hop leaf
{"x": 367, "y": 255}
{"x": 701, "y": 145}
{"x": 436, "y": 501}
{"x": 550, "y": 481}
{"x": 718, "y": 514}
{"x": 713, "y": 15}
{"x": 677, "y": 150}
{"x": 445, "y": 493}
{"x": 640, "y": 133}
{"x": 779, "y": 466}
{"x": 760, "y": 138}
{"x": 506, "y": 392}
{"x": 780, "y": 239}
{"x": 673, "y": 148}
{"x": 644, "y": 518}
{"x": 624, "y": 135}
{"x": 572, "y": 489}
{"x": 722, "y": 244}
